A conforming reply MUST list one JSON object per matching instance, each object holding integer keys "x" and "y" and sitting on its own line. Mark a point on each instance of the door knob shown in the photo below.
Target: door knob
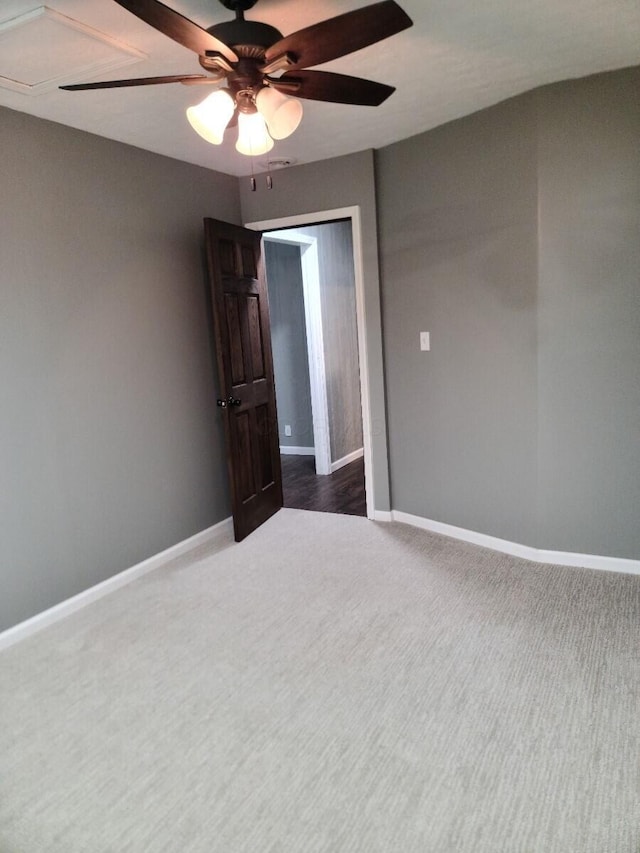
{"x": 230, "y": 401}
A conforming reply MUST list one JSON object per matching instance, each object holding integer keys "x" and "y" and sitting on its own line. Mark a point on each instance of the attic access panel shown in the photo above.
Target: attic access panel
{"x": 42, "y": 48}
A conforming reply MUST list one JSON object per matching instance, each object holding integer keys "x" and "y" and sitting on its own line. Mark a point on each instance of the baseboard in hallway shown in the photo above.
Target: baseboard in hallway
{"x": 291, "y": 450}
{"x": 345, "y": 460}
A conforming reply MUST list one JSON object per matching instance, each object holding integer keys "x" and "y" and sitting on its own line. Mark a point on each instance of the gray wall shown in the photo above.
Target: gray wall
{"x": 589, "y": 315}
{"x": 331, "y": 184}
{"x": 289, "y": 343}
{"x": 458, "y": 213}
{"x": 110, "y": 444}
{"x": 340, "y": 333}
{"x": 513, "y": 236}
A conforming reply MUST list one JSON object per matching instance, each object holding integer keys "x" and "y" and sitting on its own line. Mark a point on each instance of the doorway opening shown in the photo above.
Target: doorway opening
{"x": 311, "y": 284}
{"x": 294, "y": 285}
{"x": 314, "y": 275}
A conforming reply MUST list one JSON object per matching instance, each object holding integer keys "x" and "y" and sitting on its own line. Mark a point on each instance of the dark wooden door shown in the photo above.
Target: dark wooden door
{"x": 245, "y": 368}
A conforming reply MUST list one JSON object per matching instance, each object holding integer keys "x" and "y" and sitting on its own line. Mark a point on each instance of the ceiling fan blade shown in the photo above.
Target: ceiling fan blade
{"x": 341, "y": 35}
{"x": 139, "y": 81}
{"x": 337, "y": 88}
{"x": 177, "y": 27}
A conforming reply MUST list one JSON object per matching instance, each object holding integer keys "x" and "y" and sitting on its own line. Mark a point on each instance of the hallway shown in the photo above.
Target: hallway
{"x": 342, "y": 491}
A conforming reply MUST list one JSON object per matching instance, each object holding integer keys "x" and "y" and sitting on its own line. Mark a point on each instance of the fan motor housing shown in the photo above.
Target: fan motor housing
{"x": 239, "y": 5}
{"x": 241, "y": 34}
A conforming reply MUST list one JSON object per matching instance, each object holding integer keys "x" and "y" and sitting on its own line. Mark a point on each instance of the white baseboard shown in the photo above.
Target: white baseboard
{"x": 382, "y": 515}
{"x": 559, "y": 558}
{"x": 82, "y": 599}
{"x": 287, "y": 450}
{"x": 536, "y": 555}
{"x": 350, "y": 457}
{"x": 589, "y": 561}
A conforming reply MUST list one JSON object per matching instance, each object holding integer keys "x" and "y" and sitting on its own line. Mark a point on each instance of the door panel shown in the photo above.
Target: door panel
{"x": 249, "y": 267}
{"x": 266, "y": 464}
{"x": 238, "y": 375}
{"x": 245, "y": 369}
{"x": 256, "y": 339}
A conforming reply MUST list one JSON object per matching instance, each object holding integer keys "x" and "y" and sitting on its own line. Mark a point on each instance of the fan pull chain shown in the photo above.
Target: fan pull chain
{"x": 252, "y": 180}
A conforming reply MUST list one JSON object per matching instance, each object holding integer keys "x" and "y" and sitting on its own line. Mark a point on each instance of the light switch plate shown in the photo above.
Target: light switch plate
{"x": 425, "y": 342}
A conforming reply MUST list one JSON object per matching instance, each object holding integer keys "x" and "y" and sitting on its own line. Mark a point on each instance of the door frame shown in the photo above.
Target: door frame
{"x": 315, "y": 342}
{"x": 352, "y": 213}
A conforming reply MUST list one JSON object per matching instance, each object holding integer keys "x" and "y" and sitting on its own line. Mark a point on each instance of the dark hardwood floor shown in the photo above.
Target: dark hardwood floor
{"x": 342, "y": 491}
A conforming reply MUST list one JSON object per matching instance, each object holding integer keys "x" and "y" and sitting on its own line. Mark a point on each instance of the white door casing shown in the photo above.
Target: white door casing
{"x": 352, "y": 213}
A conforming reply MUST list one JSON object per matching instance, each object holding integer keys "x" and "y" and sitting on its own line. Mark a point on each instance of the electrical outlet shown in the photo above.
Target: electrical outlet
{"x": 425, "y": 342}
{"x": 287, "y": 429}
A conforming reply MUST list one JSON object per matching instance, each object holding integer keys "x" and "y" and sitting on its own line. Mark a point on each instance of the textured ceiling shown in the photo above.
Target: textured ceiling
{"x": 458, "y": 57}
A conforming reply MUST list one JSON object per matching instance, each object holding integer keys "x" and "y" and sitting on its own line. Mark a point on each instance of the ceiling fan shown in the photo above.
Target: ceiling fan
{"x": 264, "y": 69}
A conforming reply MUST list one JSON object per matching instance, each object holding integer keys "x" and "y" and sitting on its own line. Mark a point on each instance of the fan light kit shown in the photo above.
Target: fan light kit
{"x": 262, "y": 118}
{"x": 265, "y": 72}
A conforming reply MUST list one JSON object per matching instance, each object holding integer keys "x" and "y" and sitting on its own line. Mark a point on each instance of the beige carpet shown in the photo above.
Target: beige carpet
{"x": 330, "y": 685}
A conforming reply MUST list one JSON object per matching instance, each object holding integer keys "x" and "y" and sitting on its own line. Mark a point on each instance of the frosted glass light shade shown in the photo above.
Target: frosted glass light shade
{"x": 253, "y": 138}
{"x": 210, "y": 117}
{"x": 282, "y": 114}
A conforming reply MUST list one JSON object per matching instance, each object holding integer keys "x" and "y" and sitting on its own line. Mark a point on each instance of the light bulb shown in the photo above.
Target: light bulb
{"x": 282, "y": 114}
{"x": 253, "y": 138}
{"x": 210, "y": 117}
